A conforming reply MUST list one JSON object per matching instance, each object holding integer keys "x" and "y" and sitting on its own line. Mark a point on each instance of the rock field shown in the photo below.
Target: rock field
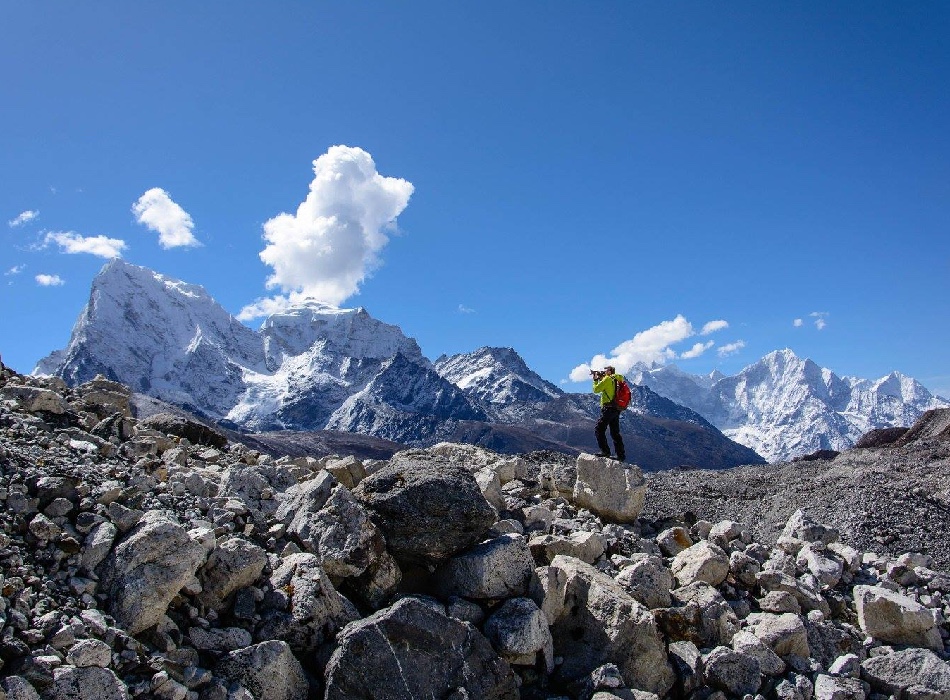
{"x": 154, "y": 558}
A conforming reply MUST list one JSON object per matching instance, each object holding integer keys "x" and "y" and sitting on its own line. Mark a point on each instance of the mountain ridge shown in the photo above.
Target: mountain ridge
{"x": 316, "y": 367}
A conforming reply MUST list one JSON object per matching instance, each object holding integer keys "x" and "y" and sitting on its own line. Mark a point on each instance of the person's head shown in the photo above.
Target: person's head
{"x": 609, "y": 370}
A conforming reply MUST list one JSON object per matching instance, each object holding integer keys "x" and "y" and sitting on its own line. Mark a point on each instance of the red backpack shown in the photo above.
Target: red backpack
{"x": 621, "y": 393}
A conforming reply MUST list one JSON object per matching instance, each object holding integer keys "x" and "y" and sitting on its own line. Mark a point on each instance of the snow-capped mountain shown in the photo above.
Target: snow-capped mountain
{"x": 318, "y": 367}
{"x": 309, "y": 367}
{"x": 499, "y": 380}
{"x": 783, "y": 406}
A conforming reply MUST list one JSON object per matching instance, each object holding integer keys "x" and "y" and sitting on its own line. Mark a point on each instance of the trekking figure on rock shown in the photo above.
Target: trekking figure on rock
{"x": 614, "y": 398}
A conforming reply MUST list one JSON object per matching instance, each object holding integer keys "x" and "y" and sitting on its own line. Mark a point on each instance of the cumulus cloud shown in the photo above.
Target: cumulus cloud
{"x": 819, "y": 317}
{"x": 156, "y": 210}
{"x": 713, "y": 326}
{"x": 49, "y": 280}
{"x": 697, "y": 350}
{"x": 798, "y": 323}
{"x": 652, "y": 345}
{"x": 333, "y": 242}
{"x": 23, "y": 218}
{"x": 731, "y": 348}
{"x": 73, "y": 243}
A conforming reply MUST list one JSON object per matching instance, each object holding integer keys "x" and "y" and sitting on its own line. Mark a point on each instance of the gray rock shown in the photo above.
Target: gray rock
{"x": 716, "y": 622}
{"x": 583, "y": 545}
{"x": 98, "y": 544}
{"x": 18, "y": 688}
{"x": 427, "y": 512}
{"x": 33, "y": 399}
{"x": 147, "y": 569}
{"x": 704, "y": 561}
{"x": 674, "y": 540}
{"x": 411, "y": 651}
{"x": 220, "y": 639}
{"x": 895, "y": 618}
{"x": 595, "y": 621}
{"x": 911, "y": 673}
{"x": 648, "y": 581}
{"x": 784, "y": 634}
{"x": 839, "y": 688}
{"x": 89, "y": 652}
{"x": 801, "y": 527}
{"x": 519, "y": 630}
{"x": 312, "y": 610}
{"x": 846, "y": 665}
{"x": 90, "y": 683}
{"x": 499, "y": 568}
{"x": 234, "y": 564}
{"x": 769, "y": 662}
{"x": 258, "y": 487}
{"x": 268, "y": 670}
{"x": 329, "y": 522}
{"x": 732, "y": 671}
{"x": 610, "y": 489}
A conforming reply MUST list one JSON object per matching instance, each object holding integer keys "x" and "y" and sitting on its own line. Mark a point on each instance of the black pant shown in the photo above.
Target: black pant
{"x": 610, "y": 418}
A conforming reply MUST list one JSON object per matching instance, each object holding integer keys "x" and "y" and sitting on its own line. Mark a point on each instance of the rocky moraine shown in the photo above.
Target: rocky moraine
{"x": 154, "y": 558}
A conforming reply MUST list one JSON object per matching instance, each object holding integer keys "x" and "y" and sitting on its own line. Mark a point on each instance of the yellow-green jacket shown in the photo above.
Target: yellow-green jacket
{"x": 606, "y": 387}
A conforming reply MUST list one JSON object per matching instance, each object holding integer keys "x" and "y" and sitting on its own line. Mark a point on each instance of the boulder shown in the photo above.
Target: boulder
{"x": 586, "y": 546}
{"x": 195, "y": 433}
{"x": 910, "y": 673}
{"x": 499, "y": 568}
{"x": 34, "y": 399}
{"x": 518, "y": 631}
{"x": 596, "y": 621}
{"x": 610, "y": 489}
{"x": 674, "y": 540}
{"x": 306, "y": 609}
{"x": 803, "y": 528}
{"x": 716, "y": 622}
{"x": 269, "y": 670}
{"x": 427, "y": 512}
{"x": 258, "y": 487}
{"x": 895, "y": 618}
{"x": 411, "y": 650}
{"x": 235, "y": 563}
{"x": 784, "y": 634}
{"x": 88, "y": 683}
{"x": 732, "y": 672}
{"x": 747, "y": 643}
{"x": 648, "y": 581}
{"x": 704, "y": 561}
{"x": 326, "y": 520}
{"x": 839, "y": 688}
{"x": 89, "y": 652}
{"x": 146, "y": 570}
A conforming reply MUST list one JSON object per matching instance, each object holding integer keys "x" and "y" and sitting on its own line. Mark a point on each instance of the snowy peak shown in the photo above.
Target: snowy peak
{"x": 784, "y": 406}
{"x": 350, "y": 332}
{"x": 496, "y": 378}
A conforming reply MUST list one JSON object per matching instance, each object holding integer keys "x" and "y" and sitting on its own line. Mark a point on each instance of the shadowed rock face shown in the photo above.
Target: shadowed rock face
{"x": 412, "y": 651}
{"x": 426, "y": 512}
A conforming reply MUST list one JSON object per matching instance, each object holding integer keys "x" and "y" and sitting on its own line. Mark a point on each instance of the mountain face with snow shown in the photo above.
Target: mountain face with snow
{"x": 317, "y": 367}
{"x": 783, "y": 406}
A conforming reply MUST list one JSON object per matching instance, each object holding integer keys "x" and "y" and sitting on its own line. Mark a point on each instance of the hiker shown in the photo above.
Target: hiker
{"x": 605, "y": 384}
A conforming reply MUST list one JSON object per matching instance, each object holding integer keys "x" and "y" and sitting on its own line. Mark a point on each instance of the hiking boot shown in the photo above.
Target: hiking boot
{"x": 604, "y": 454}
{"x": 621, "y": 458}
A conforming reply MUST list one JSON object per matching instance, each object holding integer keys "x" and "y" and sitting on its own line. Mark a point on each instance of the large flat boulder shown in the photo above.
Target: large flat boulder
{"x": 610, "y": 489}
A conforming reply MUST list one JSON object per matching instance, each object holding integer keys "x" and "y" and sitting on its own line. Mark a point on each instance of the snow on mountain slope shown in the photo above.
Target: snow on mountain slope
{"x": 171, "y": 340}
{"x": 783, "y": 406}
{"x": 498, "y": 379}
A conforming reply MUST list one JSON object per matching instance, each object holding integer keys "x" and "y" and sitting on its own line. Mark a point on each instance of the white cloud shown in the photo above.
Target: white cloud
{"x": 652, "y": 345}
{"x": 15, "y": 270}
{"x": 49, "y": 280}
{"x": 713, "y": 326}
{"x": 465, "y": 310}
{"x": 731, "y": 348}
{"x": 697, "y": 350}
{"x": 156, "y": 210}
{"x": 23, "y": 218}
{"x": 798, "y": 323}
{"x": 267, "y": 307}
{"x": 819, "y": 317}
{"x": 73, "y": 243}
{"x": 333, "y": 242}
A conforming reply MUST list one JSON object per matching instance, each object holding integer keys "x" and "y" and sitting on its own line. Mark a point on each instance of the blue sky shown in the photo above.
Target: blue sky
{"x": 694, "y": 182}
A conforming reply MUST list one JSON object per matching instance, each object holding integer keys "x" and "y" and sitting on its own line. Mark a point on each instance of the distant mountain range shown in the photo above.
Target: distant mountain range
{"x": 783, "y": 406}
{"x": 315, "y": 367}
